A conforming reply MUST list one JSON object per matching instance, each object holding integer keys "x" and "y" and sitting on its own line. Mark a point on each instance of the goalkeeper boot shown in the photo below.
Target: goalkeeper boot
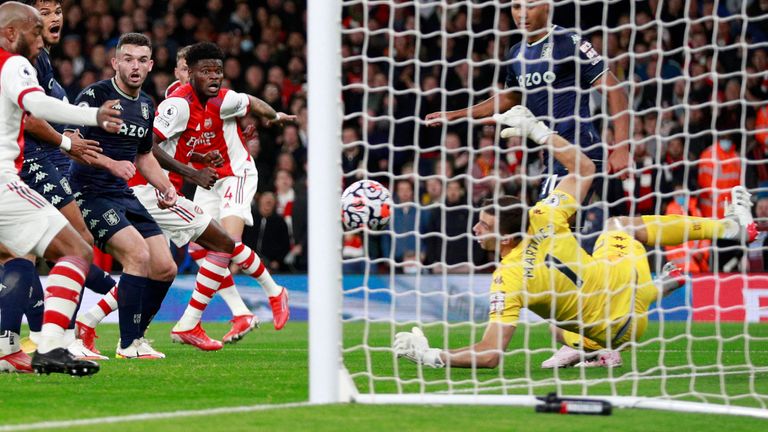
{"x": 88, "y": 335}
{"x": 241, "y": 326}
{"x": 139, "y": 349}
{"x": 670, "y": 279}
{"x": 564, "y": 357}
{"x": 740, "y": 211}
{"x": 60, "y": 360}
{"x": 603, "y": 358}
{"x": 280, "y": 311}
{"x": 197, "y": 338}
{"x": 78, "y": 349}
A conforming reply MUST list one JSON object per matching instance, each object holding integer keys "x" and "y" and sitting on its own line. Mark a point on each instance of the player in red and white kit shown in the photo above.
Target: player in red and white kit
{"x": 29, "y": 223}
{"x": 214, "y": 127}
{"x": 177, "y": 129}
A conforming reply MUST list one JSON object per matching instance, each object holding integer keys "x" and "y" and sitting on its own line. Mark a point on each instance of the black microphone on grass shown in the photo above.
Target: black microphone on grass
{"x": 554, "y": 404}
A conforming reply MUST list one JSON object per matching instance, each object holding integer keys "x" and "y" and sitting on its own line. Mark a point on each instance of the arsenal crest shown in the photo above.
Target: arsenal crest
{"x": 145, "y": 111}
{"x": 208, "y": 123}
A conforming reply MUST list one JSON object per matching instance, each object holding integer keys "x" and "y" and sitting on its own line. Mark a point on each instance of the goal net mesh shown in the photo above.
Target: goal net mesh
{"x": 695, "y": 76}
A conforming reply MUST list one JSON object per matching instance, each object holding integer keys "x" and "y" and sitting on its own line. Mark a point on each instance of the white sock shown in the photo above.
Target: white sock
{"x": 212, "y": 272}
{"x": 100, "y": 310}
{"x": 229, "y": 293}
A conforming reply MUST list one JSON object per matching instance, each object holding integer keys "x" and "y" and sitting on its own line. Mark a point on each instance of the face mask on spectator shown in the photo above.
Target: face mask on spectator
{"x": 726, "y": 144}
{"x": 680, "y": 199}
{"x": 246, "y": 45}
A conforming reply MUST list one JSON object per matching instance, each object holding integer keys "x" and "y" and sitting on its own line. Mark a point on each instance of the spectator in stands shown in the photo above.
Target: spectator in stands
{"x": 402, "y": 235}
{"x": 693, "y": 256}
{"x": 352, "y": 155}
{"x": 641, "y": 187}
{"x": 448, "y": 242}
{"x": 268, "y": 236}
{"x": 457, "y": 152}
{"x": 285, "y": 197}
{"x": 487, "y": 170}
{"x": 719, "y": 172}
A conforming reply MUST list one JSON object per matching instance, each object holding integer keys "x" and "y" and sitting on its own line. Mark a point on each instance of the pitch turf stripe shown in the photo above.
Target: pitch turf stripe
{"x": 149, "y": 416}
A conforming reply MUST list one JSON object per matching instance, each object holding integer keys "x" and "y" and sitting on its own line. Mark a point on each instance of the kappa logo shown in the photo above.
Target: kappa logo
{"x": 90, "y": 93}
{"x": 102, "y": 232}
{"x": 111, "y": 217}
{"x": 575, "y": 38}
{"x": 56, "y": 200}
{"x": 48, "y": 187}
{"x": 40, "y": 176}
{"x": 117, "y": 106}
{"x": 498, "y": 280}
{"x": 86, "y": 212}
{"x": 34, "y": 167}
{"x": 93, "y": 223}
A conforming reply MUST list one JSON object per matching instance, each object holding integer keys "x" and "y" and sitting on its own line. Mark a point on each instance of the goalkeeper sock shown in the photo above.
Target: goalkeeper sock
{"x": 252, "y": 266}
{"x": 97, "y": 313}
{"x": 229, "y": 293}
{"x": 213, "y": 271}
{"x": 672, "y": 230}
{"x": 576, "y": 341}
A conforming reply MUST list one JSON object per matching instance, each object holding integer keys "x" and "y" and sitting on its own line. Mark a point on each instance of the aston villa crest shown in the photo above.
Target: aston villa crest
{"x": 145, "y": 111}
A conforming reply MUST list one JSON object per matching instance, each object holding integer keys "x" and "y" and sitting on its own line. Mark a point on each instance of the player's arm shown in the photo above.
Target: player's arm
{"x": 78, "y": 148}
{"x": 151, "y": 170}
{"x": 205, "y": 177}
{"x": 519, "y": 121}
{"x": 500, "y": 102}
{"x": 262, "y": 109}
{"x": 485, "y": 354}
{"x": 618, "y": 107}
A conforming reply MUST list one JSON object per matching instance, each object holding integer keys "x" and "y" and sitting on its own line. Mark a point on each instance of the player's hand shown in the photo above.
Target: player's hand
{"x": 522, "y": 123}
{"x": 213, "y": 158}
{"x": 437, "y": 118}
{"x": 109, "y": 118}
{"x": 205, "y": 178}
{"x": 282, "y": 119}
{"x": 618, "y": 162}
{"x": 122, "y": 169}
{"x": 167, "y": 198}
{"x": 414, "y": 346}
{"x": 82, "y": 148}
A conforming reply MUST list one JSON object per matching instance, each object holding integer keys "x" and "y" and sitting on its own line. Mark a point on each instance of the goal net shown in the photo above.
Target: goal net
{"x": 694, "y": 75}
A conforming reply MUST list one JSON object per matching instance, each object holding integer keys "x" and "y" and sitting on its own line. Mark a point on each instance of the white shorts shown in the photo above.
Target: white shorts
{"x": 181, "y": 223}
{"x": 230, "y": 196}
{"x": 28, "y": 223}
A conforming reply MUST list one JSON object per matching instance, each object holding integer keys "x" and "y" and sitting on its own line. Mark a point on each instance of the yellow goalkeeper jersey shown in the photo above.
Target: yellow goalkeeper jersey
{"x": 550, "y": 274}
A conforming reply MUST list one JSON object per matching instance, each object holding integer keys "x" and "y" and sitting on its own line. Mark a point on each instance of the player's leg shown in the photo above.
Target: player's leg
{"x": 671, "y": 230}
{"x": 575, "y": 348}
{"x": 14, "y": 297}
{"x": 162, "y": 272}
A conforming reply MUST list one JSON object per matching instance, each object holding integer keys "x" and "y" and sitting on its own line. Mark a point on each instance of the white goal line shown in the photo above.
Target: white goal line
{"x": 56, "y": 424}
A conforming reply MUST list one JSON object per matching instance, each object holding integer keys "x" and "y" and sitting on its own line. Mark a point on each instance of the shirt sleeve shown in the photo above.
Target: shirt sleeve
{"x": 591, "y": 63}
{"x": 505, "y": 299}
{"x": 145, "y": 146}
{"x": 171, "y": 118}
{"x": 553, "y": 210}
{"x": 234, "y": 105}
{"x": 18, "y": 78}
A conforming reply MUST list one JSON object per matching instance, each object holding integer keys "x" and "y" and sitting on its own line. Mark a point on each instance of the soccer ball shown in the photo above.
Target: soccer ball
{"x": 366, "y": 203}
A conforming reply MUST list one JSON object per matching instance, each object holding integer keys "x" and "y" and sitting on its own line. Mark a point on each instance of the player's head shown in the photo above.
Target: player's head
{"x": 501, "y": 222}
{"x": 133, "y": 60}
{"x": 206, "y": 68}
{"x": 531, "y": 16}
{"x": 21, "y": 29}
{"x": 53, "y": 19}
{"x": 181, "y": 71}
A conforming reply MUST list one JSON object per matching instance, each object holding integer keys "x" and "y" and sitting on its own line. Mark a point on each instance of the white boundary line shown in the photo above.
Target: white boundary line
{"x": 149, "y": 416}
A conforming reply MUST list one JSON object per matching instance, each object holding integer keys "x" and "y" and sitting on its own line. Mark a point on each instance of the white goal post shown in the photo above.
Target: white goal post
{"x": 354, "y": 313}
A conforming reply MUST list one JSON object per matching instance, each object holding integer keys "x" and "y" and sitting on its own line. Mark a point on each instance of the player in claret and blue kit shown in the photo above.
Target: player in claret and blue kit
{"x": 551, "y": 73}
{"x": 115, "y": 217}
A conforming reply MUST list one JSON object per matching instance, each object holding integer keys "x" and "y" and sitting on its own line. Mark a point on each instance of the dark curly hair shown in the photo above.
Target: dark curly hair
{"x": 203, "y": 51}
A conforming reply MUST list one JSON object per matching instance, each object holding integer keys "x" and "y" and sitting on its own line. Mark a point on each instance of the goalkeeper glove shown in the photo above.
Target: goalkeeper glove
{"x": 414, "y": 346}
{"x": 521, "y": 122}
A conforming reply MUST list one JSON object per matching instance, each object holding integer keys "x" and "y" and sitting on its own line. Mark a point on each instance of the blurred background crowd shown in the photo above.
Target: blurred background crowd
{"x": 697, "y": 79}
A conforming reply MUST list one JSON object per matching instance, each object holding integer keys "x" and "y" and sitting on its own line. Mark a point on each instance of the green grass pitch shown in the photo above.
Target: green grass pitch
{"x": 270, "y": 367}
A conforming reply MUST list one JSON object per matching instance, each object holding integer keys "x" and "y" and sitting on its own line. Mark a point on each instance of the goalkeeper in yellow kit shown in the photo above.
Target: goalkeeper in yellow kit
{"x": 596, "y": 301}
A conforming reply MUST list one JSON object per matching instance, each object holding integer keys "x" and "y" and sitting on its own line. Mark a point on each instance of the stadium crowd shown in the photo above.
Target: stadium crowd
{"x": 696, "y": 95}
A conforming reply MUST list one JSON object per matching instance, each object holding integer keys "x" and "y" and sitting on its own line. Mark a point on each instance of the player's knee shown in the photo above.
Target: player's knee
{"x": 84, "y": 251}
{"x": 87, "y": 236}
{"x": 166, "y": 271}
{"x": 138, "y": 257}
